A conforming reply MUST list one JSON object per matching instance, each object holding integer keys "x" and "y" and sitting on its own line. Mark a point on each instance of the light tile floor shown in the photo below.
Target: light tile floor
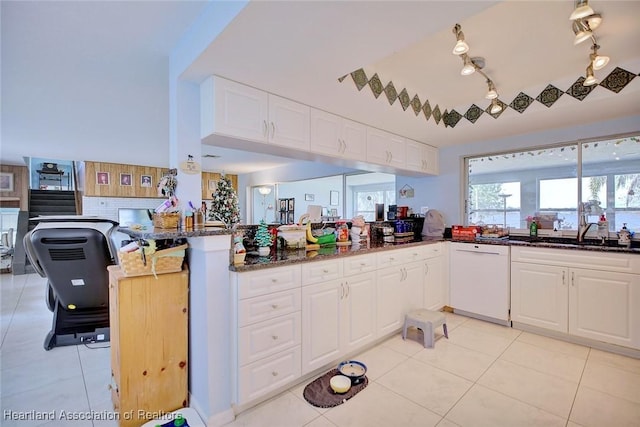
{"x": 484, "y": 375}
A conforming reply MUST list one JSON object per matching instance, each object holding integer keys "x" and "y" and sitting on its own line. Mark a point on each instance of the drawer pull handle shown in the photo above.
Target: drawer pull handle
{"x": 392, "y": 259}
{"x": 363, "y": 264}
{"x": 274, "y": 280}
{"x": 274, "y": 306}
{"x": 274, "y": 373}
{"x": 275, "y": 337}
{"x": 325, "y": 271}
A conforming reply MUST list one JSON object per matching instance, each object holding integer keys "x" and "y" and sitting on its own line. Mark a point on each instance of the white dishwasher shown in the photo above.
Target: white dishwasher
{"x": 480, "y": 281}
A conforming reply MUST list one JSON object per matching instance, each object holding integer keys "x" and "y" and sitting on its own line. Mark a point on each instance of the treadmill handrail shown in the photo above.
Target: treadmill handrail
{"x": 28, "y": 248}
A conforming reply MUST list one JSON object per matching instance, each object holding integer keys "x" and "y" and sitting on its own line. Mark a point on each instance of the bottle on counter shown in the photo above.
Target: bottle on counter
{"x": 603, "y": 227}
{"x": 533, "y": 228}
{"x": 342, "y": 231}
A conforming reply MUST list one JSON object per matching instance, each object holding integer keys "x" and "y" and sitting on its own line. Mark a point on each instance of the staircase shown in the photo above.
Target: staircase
{"x": 41, "y": 203}
{"x": 48, "y": 202}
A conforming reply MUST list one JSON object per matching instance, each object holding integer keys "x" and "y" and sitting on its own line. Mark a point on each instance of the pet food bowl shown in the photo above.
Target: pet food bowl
{"x": 353, "y": 369}
{"x": 340, "y": 383}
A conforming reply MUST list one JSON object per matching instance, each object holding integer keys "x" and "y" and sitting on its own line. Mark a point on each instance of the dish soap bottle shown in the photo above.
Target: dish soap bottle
{"x": 533, "y": 228}
{"x": 603, "y": 227}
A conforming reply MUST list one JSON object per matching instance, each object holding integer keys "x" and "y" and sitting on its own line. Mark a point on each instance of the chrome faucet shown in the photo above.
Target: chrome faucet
{"x": 583, "y": 226}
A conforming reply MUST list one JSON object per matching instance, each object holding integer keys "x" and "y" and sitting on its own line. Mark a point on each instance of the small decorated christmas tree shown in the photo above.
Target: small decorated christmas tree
{"x": 263, "y": 237}
{"x": 224, "y": 206}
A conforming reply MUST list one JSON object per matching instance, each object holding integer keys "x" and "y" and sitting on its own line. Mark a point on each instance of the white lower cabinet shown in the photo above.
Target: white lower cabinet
{"x": 597, "y": 302}
{"x": 413, "y": 287}
{"x": 435, "y": 287}
{"x": 337, "y": 317}
{"x": 390, "y": 293}
{"x": 605, "y": 306}
{"x": 539, "y": 295}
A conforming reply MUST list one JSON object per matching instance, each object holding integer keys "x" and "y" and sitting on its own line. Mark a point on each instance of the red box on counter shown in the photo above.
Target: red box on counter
{"x": 458, "y": 232}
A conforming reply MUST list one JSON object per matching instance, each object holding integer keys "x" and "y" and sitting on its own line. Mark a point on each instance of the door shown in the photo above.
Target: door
{"x": 539, "y": 295}
{"x": 605, "y": 306}
{"x": 354, "y": 140}
{"x": 434, "y": 286}
{"x": 389, "y": 301}
{"x": 321, "y": 318}
{"x": 288, "y": 123}
{"x": 413, "y": 287}
{"x": 326, "y": 135}
{"x": 385, "y": 148}
{"x": 359, "y": 310}
{"x": 239, "y": 110}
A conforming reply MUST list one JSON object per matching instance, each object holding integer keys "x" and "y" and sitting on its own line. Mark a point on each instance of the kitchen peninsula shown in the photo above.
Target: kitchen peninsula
{"x": 259, "y": 328}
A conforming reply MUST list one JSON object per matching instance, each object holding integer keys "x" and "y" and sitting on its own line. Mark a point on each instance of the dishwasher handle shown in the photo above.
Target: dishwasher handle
{"x": 478, "y": 252}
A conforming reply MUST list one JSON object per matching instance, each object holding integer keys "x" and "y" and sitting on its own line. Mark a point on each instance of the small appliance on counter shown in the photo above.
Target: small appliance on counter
{"x": 393, "y": 212}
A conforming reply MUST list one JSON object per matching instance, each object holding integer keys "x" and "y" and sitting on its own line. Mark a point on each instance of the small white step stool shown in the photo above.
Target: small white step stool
{"x": 427, "y": 320}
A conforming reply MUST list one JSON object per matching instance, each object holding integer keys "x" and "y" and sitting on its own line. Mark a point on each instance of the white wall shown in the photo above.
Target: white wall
{"x": 443, "y": 192}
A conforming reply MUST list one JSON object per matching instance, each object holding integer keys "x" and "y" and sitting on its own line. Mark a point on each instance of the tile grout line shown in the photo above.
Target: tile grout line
{"x": 13, "y": 313}
{"x": 575, "y": 396}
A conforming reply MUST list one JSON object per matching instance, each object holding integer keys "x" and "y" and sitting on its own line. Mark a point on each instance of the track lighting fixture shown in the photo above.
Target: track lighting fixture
{"x": 590, "y": 80}
{"x": 582, "y": 32}
{"x": 585, "y": 20}
{"x": 581, "y": 10}
{"x": 598, "y": 61}
{"x": 460, "y": 47}
{"x": 473, "y": 64}
{"x": 495, "y": 106}
{"x": 491, "y": 92}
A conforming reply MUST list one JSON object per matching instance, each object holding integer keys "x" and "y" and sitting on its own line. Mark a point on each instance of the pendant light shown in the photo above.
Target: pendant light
{"x": 469, "y": 67}
{"x": 460, "y": 47}
{"x": 491, "y": 93}
{"x": 581, "y": 10}
{"x": 495, "y": 106}
{"x": 598, "y": 61}
{"x": 591, "y": 79}
{"x": 582, "y": 32}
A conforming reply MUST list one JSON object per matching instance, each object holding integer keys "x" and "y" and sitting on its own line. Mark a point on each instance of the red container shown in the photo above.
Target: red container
{"x": 458, "y": 232}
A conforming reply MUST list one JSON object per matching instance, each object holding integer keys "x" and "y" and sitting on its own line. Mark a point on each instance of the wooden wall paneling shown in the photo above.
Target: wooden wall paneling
{"x": 20, "y": 192}
{"x": 209, "y": 181}
{"x": 117, "y": 173}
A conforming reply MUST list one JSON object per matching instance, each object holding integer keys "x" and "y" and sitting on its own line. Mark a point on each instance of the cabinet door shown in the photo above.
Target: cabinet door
{"x": 389, "y": 300}
{"x": 434, "y": 286}
{"x": 359, "y": 310}
{"x": 288, "y": 123}
{"x": 605, "y": 306}
{"x": 321, "y": 317}
{"x": 431, "y": 160}
{"x": 239, "y": 110}
{"x": 385, "y": 148}
{"x": 354, "y": 140}
{"x": 326, "y": 132}
{"x": 539, "y": 295}
{"x": 415, "y": 156}
{"x": 413, "y": 286}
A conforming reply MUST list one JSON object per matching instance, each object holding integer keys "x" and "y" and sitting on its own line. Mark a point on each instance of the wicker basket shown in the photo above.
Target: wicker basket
{"x": 166, "y": 220}
{"x": 163, "y": 261}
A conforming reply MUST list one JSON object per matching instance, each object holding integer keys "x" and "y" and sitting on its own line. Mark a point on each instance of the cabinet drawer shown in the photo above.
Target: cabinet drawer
{"x": 433, "y": 250}
{"x": 359, "y": 264}
{"x": 323, "y": 271}
{"x": 269, "y": 374}
{"x": 390, "y": 258}
{"x": 416, "y": 253}
{"x": 267, "y": 307}
{"x": 262, "y": 282}
{"x": 266, "y": 338}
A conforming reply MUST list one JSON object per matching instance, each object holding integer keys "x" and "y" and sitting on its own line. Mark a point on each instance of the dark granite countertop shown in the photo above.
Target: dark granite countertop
{"x": 160, "y": 233}
{"x": 287, "y": 256}
{"x": 561, "y": 243}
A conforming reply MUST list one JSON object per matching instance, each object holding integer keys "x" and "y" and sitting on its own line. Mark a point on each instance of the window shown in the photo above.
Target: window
{"x": 364, "y": 191}
{"x": 544, "y": 182}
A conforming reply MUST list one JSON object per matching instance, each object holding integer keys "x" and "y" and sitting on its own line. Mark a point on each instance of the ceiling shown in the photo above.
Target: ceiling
{"x": 299, "y": 49}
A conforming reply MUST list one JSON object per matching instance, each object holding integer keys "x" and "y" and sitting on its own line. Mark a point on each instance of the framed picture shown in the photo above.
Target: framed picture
{"x": 146, "y": 181}
{"x": 283, "y": 205}
{"x": 6, "y": 181}
{"x": 309, "y": 197}
{"x": 290, "y": 218}
{"x": 283, "y": 217}
{"x": 212, "y": 184}
{"x": 333, "y": 198}
{"x": 102, "y": 178}
{"x": 334, "y": 212}
{"x": 125, "y": 179}
{"x": 291, "y": 205}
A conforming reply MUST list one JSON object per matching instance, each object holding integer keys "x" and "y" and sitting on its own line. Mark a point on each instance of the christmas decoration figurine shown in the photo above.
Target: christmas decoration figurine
{"x": 224, "y": 206}
{"x": 263, "y": 239}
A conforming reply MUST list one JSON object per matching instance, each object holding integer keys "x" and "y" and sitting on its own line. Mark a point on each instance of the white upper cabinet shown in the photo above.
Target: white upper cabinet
{"x": 288, "y": 123}
{"x": 233, "y": 109}
{"x": 422, "y": 157}
{"x": 337, "y": 136}
{"x": 385, "y": 148}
